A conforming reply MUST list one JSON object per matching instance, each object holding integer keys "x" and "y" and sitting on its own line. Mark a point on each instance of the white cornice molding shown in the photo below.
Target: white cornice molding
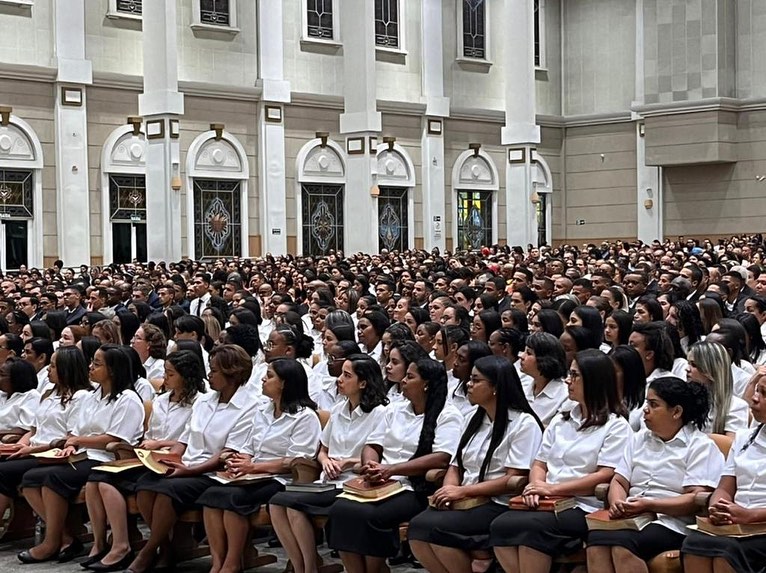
{"x": 710, "y": 104}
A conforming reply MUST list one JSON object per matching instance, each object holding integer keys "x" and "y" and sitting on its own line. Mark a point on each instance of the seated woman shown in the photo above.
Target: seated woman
{"x": 287, "y": 428}
{"x": 465, "y": 357}
{"x": 417, "y": 434}
{"x": 669, "y": 462}
{"x": 739, "y": 498}
{"x": 401, "y": 355}
{"x": 353, "y": 418}
{"x": 544, "y": 361}
{"x": 112, "y": 413}
{"x": 18, "y": 396}
{"x": 580, "y": 450}
{"x": 54, "y": 417}
{"x": 709, "y": 365}
{"x": 171, "y": 410}
{"x": 500, "y": 440}
{"x": 223, "y": 414}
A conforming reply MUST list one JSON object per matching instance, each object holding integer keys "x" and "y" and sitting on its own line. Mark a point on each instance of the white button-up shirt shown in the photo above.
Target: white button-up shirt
{"x": 43, "y": 383}
{"x": 548, "y": 402}
{"x": 18, "y": 411}
{"x": 347, "y": 432}
{"x": 659, "y": 470}
{"x": 570, "y": 453}
{"x": 168, "y": 419}
{"x": 121, "y": 418}
{"x": 212, "y": 424}
{"x": 457, "y": 397}
{"x": 399, "y": 432}
{"x": 155, "y": 368}
{"x": 288, "y": 436}
{"x": 53, "y": 421}
{"x": 748, "y": 467}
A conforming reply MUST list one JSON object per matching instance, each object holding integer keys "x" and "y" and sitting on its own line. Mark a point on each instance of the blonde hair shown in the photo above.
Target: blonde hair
{"x": 212, "y": 326}
{"x": 713, "y": 361}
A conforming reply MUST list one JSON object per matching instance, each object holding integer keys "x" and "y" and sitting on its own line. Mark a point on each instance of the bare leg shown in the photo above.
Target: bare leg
{"x": 56, "y": 511}
{"x": 117, "y": 513}
{"x": 600, "y": 559}
{"x": 237, "y": 528}
{"x": 163, "y": 519}
{"x": 454, "y": 560}
{"x": 508, "y": 557}
{"x": 697, "y": 564}
{"x": 282, "y": 522}
{"x": 97, "y": 517}
{"x": 353, "y": 562}
{"x": 216, "y": 536}
{"x": 145, "y": 501}
{"x": 374, "y": 564}
{"x": 424, "y": 552}
{"x": 722, "y": 566}
{"x": 304, "y": 534}
{"x": 628, "y": 562}
{"x": 533, "y": 561}
{"x": 34, "y": 497}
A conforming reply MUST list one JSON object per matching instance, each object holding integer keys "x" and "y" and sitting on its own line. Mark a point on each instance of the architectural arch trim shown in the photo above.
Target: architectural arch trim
{"x": 395, "y": 167}
{"x": 475, "y": 172}
{"x": 545, "y": 186}
{"x": 202, "y": 162}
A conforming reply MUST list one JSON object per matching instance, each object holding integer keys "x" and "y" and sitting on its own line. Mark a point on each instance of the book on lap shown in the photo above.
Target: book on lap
{"x": 461, "y": 504}
{"x": 227, "y": 478}
{"x": 314, "y": 487}
{"x": 358, "y": 487}
{"x": 54, "y": 456}
{"x": 734, "y": 530}
{"x": 118, "y": 466}
{"x": 8, "y": 449}
{"x": 600, "y": 521}
{"x": 155, "y": 460}
{"x": 555, "y": 504}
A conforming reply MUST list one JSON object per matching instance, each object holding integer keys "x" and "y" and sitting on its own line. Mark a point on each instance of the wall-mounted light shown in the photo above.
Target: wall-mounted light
{"x": 648, "y": 204}
{"x": 218, "y": 128}
{"x": 135, "y": 121}
{"x": 5, "y": 115}
{"x": 390, "y": 141}
{"x": 322, "y": 136}
{"x": 374, "y": 190}
{"x": 475, "y": 147}
{"x": 175, "y": 179}
{"x": 535, "y": 197}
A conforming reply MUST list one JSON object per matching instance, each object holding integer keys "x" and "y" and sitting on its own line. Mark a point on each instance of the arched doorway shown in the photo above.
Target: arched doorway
{"x": 396, "y": 183}
{"x": 475, "y": 184}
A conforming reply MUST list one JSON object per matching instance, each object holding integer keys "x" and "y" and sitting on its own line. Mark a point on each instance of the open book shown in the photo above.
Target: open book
{"x": 462, "y": 504}
{"x": 53, "y": 457}
{"x": 8, "y": 449}
{"x": 733, "y": 530}
{"x": 118, "y": 466}
{"x": 227, "y": 477}
{"x": 600, "y": 521}
{"x": 552, "y": 503}
{"x": 364, "y": 489}
{"x": 155, "y": 460}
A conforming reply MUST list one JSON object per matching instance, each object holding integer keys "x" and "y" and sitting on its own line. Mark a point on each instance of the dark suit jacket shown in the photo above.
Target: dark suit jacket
{"x": 75, "y": 316}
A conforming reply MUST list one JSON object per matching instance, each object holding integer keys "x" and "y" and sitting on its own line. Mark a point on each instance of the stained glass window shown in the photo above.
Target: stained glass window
{"x": 322, "y": 218}
{"x": 474, "y": 219}
{"x": 393, "y": 229}
{"x": 16, "y": 194}
{"x": 217, "y": 218}
{"x": 538, "y": 40}
{"x": 474, "y": 35}
{"x": 320, "y": 19}
{"x": 127, "y": 198}
{"x": 387, "y": 23}
{"x": 16, "y": 244}
{"x": 216, "y": 12}
{"x": 129, "y": 6}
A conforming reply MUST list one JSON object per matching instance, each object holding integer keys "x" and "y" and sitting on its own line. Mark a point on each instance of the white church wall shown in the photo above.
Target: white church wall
{"x": 27, "y": 34}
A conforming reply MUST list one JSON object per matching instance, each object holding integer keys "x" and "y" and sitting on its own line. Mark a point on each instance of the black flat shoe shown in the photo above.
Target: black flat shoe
{"x": 94, "y": 559}
{"x": 27, "y": 558}
{"x": 71, "y": 551}
{"x": 118, "y": 566}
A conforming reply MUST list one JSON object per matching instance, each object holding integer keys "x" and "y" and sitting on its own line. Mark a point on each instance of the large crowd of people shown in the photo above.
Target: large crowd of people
{"x": 565, "y": 367}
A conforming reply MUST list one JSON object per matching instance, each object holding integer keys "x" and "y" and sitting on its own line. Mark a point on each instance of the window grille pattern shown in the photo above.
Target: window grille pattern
{"x": 16, "y": 194}
{"x": 393, "y": 229}
{"x": 474, "y": 219}
{"x": 474, "y": 29}
{"x": 322, "y": 218}
{"x": 215, "y": 12}
{"x": 127, "y": 198}
{"x": 320, "y": 19}
{"x": 217, "y": 218}
{"x": 129, "y": 6}
{"x": 387, "y": 23}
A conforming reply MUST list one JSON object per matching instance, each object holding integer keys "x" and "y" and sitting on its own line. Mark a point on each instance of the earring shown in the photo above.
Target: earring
{"x": 425, "y": 388}
{"x": 494, "y": 393}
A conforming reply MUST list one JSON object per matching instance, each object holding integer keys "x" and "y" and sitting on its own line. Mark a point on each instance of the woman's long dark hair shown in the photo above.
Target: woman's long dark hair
{"x": 599, "y": 383}
{"x": 295, "y": 389}
{"x": 550, "y": 322}
{"x": 624, "y": 325}
{"x": 120, "y": 368}
{"x": 503, "y": 377}
{"x": 129, "y": 323}
{"x": 72, "y": 372}
{"x": 189, "y": 366}
{"x": 633, "y": 375}
{"x": 591, "y": 319}
{"x": 435, "y": 377}
{"x": 374, "y": 392}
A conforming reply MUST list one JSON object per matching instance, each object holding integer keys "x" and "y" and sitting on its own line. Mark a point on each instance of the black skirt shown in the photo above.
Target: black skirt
{"x": 241, "y": 499}
{"x": 468, "y": 529}
{"x": 125, "y": 482}
{"x": 544, "y": 531}
{"x": 314, "y": 504}
{"x": 372, "y": 528}
{"x": 645, "y": 544}
{"x": 11, "y": 474}
{"x": 183, "y": 491}
{"x": 744, "y": 554}
{"x": 66, "y": 480}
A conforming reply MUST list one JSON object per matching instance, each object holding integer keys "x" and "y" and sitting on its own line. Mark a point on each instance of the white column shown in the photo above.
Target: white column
{"x": 161, "y": 104}
{"x": 432, "y": 144}
{"x": 271, "y": 133}
{"x": 521, "y": 133}
{"x": 360, "y": 120}
{"x": 71, "y": 134}
{"x": 649, "y": 207}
